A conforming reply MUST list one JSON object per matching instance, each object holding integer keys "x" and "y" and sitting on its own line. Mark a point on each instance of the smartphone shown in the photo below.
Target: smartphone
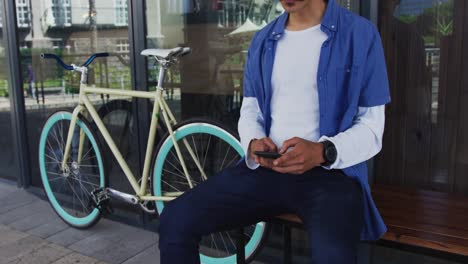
{"x": 267, "y": 155}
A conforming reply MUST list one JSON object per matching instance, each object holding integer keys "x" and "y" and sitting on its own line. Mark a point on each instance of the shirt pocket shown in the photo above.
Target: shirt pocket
{"x": 346, "y": 77}
{"x": 345, "y": 88}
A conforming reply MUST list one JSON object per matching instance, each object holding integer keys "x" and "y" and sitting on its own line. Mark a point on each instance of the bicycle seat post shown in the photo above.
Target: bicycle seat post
{"x": 162, "y": 74}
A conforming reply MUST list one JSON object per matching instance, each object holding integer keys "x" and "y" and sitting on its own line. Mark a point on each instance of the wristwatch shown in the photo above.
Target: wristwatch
{"x": 329, "y": 153}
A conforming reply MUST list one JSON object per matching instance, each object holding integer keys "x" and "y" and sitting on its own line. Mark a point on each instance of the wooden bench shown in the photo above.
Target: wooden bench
{"x": 426, "y": 222}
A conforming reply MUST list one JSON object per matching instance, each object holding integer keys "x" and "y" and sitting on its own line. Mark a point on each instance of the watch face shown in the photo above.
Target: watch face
{"x": 330, "y": 153}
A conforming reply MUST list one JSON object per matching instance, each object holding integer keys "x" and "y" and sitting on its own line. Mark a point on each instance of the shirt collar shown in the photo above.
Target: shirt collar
{"x": 329, "y": 20}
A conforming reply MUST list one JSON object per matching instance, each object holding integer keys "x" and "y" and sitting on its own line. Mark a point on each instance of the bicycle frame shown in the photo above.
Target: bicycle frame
{"x": 85, "y": 106}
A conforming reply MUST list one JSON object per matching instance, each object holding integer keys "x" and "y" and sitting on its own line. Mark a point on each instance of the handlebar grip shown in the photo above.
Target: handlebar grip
{"x": 185, "y": 51}
{"x": 94, "y": 56}
{"x": 57, "y": 58}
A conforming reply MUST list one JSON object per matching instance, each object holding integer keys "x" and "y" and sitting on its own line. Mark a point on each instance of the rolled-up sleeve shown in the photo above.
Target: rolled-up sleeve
{"x": 251, "y": 124}
{"x": 375, "y": 86}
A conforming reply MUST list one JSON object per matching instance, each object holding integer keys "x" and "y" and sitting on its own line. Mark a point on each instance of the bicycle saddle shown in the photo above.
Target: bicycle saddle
{"x": 166, "y": 54}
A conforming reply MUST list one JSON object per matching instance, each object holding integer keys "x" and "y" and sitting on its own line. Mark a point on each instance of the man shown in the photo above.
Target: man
{"x": 315, "y": 89}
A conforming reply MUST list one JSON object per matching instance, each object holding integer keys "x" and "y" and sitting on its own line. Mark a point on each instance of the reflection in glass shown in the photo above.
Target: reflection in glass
{"x": 425, "y": 142}
{"x": 7, "y": 156}
{"x": 74, "y": 30}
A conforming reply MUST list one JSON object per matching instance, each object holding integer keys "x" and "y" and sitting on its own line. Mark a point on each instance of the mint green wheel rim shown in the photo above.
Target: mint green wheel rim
{"x": 180, "y": 133}
{"x": 75, "y": 221}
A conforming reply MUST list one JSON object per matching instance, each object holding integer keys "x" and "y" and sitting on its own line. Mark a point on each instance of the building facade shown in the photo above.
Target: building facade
{"x": 425, "y": 140}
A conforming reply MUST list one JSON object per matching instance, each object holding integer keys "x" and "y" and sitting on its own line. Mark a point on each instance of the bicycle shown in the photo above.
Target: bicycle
{"x": 72, "y": 166}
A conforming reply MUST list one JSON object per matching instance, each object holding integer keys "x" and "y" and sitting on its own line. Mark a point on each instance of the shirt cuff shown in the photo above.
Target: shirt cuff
{"x": 250, "y": 162}
{"x": 337, "y": 146}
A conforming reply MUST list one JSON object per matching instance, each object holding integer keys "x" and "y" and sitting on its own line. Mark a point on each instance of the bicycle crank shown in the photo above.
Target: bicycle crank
{"x": 124, "y": 197}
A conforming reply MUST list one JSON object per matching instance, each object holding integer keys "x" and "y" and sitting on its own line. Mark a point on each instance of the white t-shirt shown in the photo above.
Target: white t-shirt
{"x": 294, "y": 86}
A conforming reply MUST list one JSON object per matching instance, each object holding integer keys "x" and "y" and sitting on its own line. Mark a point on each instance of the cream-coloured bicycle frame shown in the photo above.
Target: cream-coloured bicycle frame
{"x": 85, "y": 106}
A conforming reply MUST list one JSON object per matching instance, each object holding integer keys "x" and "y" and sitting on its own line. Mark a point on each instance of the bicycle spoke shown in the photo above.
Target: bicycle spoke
{"x": 75, "y": 194}
{"x": 232, "y": 242}
{"x": 206, "y": 153}
{"x": 196, "y": 150}
{"x": 52, "y": 150}
{"x": 181, "y": 173}
{"x": 222, "y": 163}
{"x": 57, "y": 140}
{"x": 171, "y": 186}
{"x": 56, "y": 161}
{"x": 224, "y": 242}
{"x": 80, "y": 181}
{"x": 175, "y": 174}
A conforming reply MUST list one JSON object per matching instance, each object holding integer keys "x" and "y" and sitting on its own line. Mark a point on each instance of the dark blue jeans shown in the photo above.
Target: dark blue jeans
{"x": 328, "y": 202}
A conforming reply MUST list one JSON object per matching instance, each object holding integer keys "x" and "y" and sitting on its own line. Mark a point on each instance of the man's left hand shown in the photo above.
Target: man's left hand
{"x": 303, "y": 156}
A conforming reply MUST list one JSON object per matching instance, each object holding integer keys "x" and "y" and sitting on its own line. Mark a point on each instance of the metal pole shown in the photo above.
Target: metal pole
{"x": 18, "y": 118}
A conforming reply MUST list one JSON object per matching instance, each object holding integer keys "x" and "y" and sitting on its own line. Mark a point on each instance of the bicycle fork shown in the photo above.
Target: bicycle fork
{"x": 71, "y": 130}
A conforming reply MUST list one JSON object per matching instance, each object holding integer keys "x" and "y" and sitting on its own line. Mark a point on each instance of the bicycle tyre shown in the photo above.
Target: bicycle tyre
{"x": 50, "y": 157}
{"x": 259, "y": 232}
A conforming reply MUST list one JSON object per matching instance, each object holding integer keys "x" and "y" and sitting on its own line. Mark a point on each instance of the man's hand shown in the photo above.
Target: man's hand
{"x": 263, "y": 144}
{"x": 304, "y": 156}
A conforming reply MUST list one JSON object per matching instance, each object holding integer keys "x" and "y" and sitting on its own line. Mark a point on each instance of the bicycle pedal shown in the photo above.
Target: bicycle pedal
{"x": 100, "y": 199}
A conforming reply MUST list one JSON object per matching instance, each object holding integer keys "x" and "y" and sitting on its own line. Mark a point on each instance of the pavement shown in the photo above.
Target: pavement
{"x": 30, "y": 232}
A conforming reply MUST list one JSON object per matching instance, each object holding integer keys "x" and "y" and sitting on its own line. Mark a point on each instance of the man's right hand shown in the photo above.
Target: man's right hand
{"x": 263, "y": 144}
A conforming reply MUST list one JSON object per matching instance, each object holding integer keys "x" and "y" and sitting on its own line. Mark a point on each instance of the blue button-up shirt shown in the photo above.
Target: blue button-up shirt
{"x": 351, "y": 74}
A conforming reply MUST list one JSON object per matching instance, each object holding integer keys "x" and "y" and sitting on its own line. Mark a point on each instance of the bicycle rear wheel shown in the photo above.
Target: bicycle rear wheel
{"x": 69, "y": 190}
{"x": 216, "y": 149}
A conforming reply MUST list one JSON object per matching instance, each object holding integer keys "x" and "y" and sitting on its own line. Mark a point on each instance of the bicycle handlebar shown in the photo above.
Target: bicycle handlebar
{"x": 58, "y": 59}
{"x": 69, "y": 67}
{"x": 94, "y": 56}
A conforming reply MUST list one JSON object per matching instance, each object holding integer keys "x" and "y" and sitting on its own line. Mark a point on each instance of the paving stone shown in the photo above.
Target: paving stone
{"x": 33, "y": 221}
{"x": 43, "y": 255}
{"x": 19, "y": 248}
{"x": 9, "y": 236}
{"x": 4, "y": 227}
{"x": 115, "y": 245}
{"x": 24, "y": 211}
{"x": 149, "y": 255}
{"x": 6, "y": 189}
{"x": 76, "y": 258}
{"x": 16, "y": 199}
{"x": 48, "y": 229}
{"x": 69, "y": 236}
{"x": 126, "y": 248}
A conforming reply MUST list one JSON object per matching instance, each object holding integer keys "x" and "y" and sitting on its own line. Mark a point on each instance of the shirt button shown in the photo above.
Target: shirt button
{"x": 320, "y": 77}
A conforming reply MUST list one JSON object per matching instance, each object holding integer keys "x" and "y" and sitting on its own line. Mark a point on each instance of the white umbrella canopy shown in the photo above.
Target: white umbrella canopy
{"x": 248, "y": 26}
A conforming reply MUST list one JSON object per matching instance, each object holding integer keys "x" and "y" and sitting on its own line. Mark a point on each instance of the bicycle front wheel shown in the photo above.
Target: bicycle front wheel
{"x": 69, "y": 189}
{"x": 215, "y": 149}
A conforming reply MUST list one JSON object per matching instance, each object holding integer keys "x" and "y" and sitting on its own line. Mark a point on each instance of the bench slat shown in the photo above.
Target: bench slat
{"x": 425, "y": 219}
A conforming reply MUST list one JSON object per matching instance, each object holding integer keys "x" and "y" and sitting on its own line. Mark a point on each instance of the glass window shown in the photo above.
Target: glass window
{"x": 121, "y": 13}
{"x": 8, "y": 164}
{"x": 23, "y": 13}
{"x": 425, "y": 142}
{"x": 74, "y": 31}
{"x": 61, "y": 12}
